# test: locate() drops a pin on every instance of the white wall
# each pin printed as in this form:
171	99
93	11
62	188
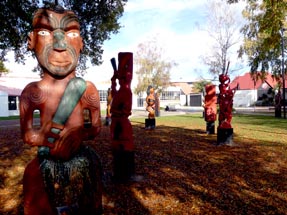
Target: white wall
244	98
14	113
4	104
183	100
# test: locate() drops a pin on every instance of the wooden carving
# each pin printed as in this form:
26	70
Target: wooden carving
69	114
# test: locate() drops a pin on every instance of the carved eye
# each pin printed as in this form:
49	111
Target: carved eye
44	33
73	34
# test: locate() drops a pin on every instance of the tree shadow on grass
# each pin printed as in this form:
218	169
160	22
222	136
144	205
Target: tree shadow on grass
14	156
183	171
186	173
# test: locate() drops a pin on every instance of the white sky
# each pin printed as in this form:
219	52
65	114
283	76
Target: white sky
175	25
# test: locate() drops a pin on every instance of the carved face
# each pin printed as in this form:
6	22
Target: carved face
56	41
224	79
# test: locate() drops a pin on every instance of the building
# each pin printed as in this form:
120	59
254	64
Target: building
11	88
250	93
10	91
177	94
189	97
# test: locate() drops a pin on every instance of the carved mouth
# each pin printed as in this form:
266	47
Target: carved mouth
60	63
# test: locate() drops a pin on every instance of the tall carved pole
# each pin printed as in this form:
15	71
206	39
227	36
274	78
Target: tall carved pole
225	130
108	111
121	128
210	108
150	107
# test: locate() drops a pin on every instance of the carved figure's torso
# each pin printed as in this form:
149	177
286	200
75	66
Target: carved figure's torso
45	97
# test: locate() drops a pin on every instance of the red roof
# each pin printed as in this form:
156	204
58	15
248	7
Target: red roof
246	82
185	87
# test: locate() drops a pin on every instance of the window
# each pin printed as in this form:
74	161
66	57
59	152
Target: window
12	102
103	95
170	95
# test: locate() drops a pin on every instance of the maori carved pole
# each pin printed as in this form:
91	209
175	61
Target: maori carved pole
225	130
108	111
210	108
121	128
151	108
65	177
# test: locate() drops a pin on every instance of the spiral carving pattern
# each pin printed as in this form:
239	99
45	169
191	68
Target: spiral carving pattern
37	94
91	99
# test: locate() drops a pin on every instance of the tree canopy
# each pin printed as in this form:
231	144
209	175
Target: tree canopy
263	35
152	69
223	27
3	69
199	86
98	20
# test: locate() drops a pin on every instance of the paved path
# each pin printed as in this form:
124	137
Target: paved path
9	123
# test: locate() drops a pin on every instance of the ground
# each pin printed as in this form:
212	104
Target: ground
183	171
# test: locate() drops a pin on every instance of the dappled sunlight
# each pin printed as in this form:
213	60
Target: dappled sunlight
15	171
14	158
183	170
156	202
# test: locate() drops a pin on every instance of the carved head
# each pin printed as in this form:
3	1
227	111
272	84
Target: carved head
224	79
125	67
210	89
56	41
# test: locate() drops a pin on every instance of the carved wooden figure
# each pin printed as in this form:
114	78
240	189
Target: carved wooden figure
121	128
108	111
225	130
150	101
225	101
151	105
65	177
210	101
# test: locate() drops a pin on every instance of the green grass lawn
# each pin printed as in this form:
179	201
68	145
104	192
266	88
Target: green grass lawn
262	129
9	117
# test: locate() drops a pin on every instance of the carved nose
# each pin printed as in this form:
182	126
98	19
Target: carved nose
59	40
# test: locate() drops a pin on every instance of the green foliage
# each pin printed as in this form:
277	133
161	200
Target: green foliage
15	21
198	87
263	38
152	68
98	19
3	69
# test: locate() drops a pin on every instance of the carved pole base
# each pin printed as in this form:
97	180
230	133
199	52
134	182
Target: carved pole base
278	112
150	123
123	165
224	136
108	121
210	127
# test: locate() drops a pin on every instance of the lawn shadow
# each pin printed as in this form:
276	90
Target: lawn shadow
186	173
183	170
14	156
